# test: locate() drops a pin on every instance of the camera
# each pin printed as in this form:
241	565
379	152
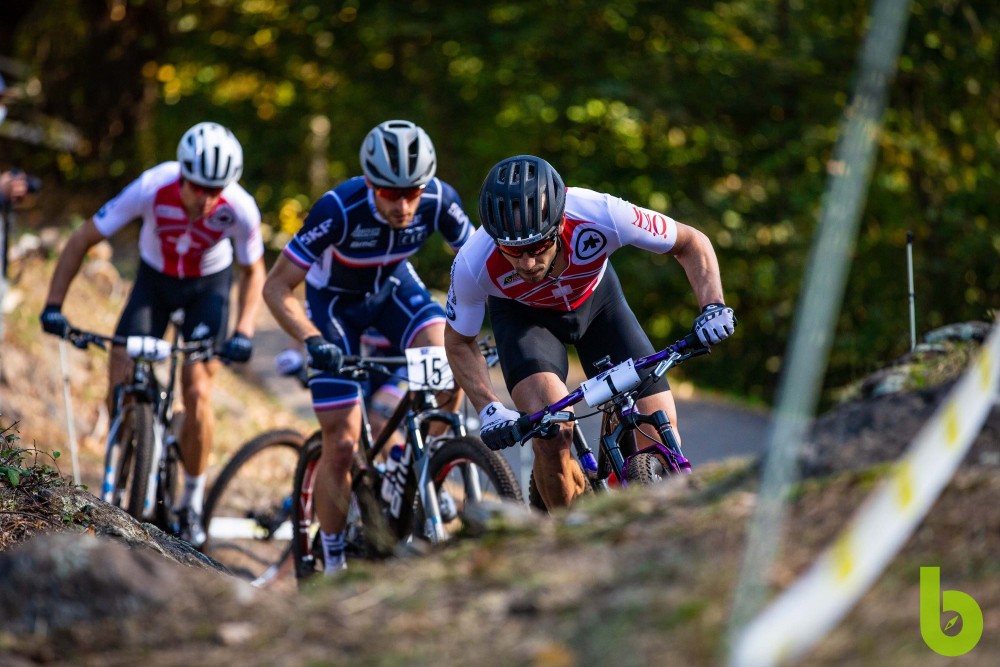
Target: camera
34	183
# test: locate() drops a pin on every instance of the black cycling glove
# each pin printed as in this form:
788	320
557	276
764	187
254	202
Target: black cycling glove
323	355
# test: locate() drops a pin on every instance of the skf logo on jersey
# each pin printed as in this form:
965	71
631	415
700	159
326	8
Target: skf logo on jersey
221	218
589	243
311	236
650	221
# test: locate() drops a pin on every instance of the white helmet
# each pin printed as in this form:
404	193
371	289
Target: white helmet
210	156
398	154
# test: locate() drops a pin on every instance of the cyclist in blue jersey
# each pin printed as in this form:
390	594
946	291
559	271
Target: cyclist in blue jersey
352	255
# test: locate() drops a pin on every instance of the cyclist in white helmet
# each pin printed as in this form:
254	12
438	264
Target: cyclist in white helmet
194	216
352	254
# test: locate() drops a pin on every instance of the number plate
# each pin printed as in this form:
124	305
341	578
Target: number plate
427	368
602	387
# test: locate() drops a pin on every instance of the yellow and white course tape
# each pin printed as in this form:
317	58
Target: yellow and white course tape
814	604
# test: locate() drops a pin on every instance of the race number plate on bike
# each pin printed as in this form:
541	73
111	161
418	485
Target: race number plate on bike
603	386
147	347
427	368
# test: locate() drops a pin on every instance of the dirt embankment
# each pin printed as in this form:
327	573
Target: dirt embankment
633	578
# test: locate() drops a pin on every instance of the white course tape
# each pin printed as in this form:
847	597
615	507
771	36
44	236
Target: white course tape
814	604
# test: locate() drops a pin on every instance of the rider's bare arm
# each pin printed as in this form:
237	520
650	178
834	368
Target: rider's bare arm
694	251
249	296
279	295
469	367
70	260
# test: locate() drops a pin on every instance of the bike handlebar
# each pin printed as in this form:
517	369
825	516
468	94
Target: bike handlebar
679	351
151	347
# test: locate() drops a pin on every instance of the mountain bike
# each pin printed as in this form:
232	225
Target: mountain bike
613	392
248	508
397	502
142	458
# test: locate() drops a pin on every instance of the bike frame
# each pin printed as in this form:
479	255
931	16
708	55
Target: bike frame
399	487
144	388
622	404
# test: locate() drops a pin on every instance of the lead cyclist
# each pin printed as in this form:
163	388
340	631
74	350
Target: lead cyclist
540	264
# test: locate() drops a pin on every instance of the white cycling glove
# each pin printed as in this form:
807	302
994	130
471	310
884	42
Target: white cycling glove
499	426
715	324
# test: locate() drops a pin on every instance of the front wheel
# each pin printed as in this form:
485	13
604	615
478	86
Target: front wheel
129	460
464	472
645	468
248	509
368	532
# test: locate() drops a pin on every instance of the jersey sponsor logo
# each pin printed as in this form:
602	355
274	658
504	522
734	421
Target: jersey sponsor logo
510	278
650	221
221	218
169	212
365	232
456	212
589	244
364	244
452	298
310	236
411	235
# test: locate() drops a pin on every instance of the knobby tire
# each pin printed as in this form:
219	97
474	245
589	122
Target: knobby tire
141	458
258	558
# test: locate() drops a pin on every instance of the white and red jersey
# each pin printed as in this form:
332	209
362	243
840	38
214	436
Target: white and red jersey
596	225
174	244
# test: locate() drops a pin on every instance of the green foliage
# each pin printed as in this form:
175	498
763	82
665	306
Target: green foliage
722	114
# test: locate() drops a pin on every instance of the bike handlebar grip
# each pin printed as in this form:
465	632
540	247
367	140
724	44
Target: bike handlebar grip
524	423
691	341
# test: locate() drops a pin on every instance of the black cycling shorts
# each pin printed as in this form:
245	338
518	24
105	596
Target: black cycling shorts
204	299
533	340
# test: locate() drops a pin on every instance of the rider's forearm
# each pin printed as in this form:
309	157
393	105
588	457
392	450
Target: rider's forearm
701	266
70	260
289	312
250	297
469	367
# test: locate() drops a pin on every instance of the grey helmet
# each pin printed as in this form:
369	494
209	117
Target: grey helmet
398	154
210	156
522	200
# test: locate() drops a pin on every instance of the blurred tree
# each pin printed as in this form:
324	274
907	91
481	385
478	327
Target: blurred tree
721	113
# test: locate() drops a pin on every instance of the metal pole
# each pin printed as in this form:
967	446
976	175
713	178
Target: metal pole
909	271
4	214
67	399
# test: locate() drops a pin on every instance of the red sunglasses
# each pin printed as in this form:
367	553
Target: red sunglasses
395	194
532	249
211	192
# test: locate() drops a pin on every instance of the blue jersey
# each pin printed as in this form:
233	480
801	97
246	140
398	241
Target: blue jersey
347	246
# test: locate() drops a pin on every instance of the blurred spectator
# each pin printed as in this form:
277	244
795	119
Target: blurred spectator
13	183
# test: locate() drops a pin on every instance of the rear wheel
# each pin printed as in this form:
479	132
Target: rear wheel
248	512
466	471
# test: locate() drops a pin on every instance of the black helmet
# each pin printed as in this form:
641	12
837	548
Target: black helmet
522	200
